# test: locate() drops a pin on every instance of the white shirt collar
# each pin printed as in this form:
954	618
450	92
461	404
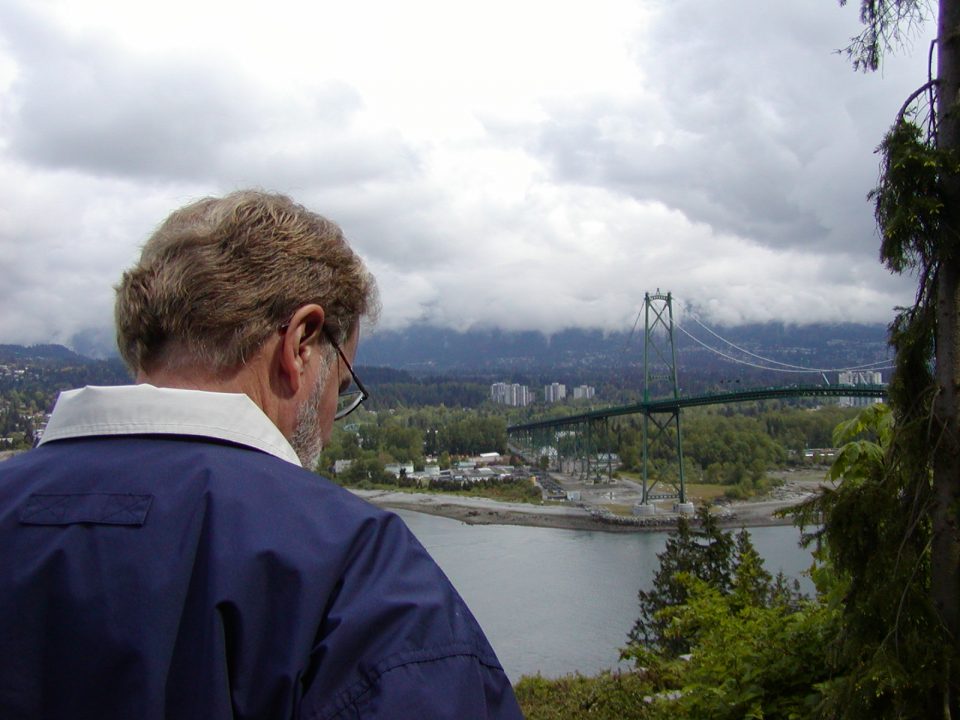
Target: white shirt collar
145	409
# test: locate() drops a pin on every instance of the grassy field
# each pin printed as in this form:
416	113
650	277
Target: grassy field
702	492
698	493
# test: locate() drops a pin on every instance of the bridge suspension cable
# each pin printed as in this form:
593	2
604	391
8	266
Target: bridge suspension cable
787	367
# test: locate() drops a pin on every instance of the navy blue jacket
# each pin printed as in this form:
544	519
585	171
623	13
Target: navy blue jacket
179	577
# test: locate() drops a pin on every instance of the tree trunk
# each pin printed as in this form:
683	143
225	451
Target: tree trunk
945	560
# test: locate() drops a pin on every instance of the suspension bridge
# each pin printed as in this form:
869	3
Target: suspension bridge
583	441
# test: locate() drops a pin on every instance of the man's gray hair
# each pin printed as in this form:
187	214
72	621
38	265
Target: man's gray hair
221	274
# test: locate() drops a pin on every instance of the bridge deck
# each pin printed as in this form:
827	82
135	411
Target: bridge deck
673	404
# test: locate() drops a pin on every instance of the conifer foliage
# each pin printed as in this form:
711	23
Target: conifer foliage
893	527
702	553
717	637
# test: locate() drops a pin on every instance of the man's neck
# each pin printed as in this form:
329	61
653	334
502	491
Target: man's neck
252	379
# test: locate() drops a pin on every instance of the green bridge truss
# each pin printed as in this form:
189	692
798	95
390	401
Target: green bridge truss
669	404
584	443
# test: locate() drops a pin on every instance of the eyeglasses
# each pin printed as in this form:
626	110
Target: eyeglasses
349	400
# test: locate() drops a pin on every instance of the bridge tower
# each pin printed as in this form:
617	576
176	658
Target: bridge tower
660	376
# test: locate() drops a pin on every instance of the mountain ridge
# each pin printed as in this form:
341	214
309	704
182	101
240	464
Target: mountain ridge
425	349
574	355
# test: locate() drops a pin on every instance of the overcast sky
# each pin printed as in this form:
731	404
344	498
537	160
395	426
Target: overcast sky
521	164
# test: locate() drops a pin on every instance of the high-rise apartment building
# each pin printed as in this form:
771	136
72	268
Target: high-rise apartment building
859	377
554	392
511	394
583	392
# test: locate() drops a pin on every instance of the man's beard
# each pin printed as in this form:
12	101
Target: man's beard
307	441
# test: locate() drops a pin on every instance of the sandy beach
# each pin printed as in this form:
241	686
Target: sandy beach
591	512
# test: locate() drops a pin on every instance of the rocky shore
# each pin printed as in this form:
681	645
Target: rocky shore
482	511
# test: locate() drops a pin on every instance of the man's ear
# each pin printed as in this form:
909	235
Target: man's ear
300	340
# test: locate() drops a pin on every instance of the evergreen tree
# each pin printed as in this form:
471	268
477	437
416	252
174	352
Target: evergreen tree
894	525
706	553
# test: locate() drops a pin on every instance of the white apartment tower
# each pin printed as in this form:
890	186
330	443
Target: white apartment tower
583	392
859	377
511	394
554	392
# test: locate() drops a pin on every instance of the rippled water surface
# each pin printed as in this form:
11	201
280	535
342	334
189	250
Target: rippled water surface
559	601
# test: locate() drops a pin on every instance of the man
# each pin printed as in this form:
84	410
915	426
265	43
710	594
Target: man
164	555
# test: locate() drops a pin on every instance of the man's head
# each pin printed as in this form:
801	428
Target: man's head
220	275
224	282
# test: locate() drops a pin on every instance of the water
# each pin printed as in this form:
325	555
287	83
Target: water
562	601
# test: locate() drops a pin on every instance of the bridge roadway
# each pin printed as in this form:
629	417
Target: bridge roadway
670	405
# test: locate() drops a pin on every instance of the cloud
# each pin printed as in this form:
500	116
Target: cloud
85	103
532	166
63	246
82	105
523	277
755	128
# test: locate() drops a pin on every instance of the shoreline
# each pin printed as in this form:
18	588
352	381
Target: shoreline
483	511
